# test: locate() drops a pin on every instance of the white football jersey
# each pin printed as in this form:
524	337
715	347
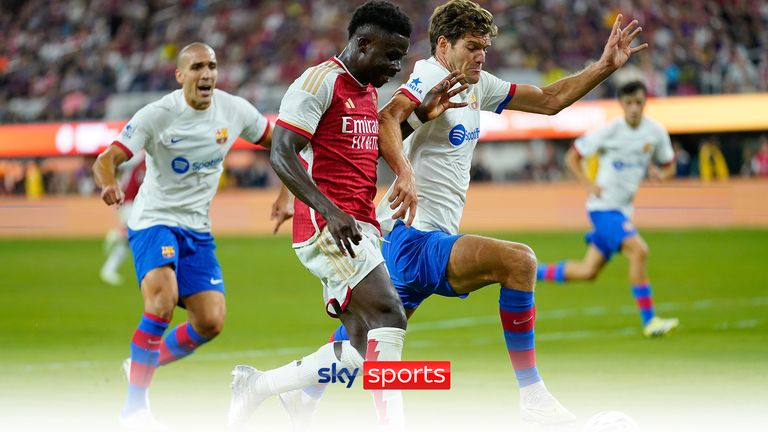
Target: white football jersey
441	150
624	153
185	151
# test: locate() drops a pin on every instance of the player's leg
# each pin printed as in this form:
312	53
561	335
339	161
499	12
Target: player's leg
301	404
380	337
374	320
586	268
344	280
205	319
476	262
251	386
158	289
155	252
636	251
201	289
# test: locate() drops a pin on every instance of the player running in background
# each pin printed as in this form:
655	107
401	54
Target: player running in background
626	148
431	257
116	241
329	116
186	136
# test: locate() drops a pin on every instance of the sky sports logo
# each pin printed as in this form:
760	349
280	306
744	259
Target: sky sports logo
392	375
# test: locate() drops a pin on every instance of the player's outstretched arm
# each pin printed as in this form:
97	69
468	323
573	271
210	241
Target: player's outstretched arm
394	126
283	156
403	196
573	162
104	170
553	98
282	208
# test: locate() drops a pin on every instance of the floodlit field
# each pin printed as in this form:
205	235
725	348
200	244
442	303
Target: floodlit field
63	335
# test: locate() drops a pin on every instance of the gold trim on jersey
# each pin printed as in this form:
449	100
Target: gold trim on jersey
296	125
317	76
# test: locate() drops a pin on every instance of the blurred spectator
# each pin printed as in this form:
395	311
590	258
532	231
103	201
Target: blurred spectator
741	75
33	185
746	162
682	161
712	164
541	162
760	159
61	59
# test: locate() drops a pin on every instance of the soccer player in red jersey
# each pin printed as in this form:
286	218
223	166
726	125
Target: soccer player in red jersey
329	116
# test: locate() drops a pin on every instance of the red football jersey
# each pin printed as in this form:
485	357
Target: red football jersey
339	116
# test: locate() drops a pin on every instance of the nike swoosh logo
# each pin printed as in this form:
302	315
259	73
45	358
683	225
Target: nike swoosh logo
516	322
175	140
216	281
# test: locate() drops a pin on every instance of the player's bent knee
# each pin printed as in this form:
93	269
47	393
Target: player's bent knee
388	314
520	267
209	323
639	253
160	305
211	329
591	274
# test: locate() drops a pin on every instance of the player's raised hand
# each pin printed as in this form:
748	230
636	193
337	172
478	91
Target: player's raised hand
403	196
343	228
112	194
437	100
618	48
282	208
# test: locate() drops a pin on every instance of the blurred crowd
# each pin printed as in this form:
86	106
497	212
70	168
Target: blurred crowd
62	59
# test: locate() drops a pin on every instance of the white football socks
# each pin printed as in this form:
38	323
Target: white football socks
303	373
386	344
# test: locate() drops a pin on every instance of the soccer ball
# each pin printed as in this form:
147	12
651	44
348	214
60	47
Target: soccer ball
611	421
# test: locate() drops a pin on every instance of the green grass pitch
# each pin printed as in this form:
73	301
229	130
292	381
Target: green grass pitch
63	334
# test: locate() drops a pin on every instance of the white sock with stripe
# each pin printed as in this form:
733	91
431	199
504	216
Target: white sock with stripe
386	344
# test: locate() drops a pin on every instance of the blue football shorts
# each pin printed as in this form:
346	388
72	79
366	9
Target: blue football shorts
610	228
191	253
417	262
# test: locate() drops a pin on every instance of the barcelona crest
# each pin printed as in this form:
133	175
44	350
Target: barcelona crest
221	136
647	147
168	251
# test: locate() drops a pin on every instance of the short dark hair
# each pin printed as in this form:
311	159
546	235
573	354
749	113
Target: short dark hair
382	14
631	87
458	18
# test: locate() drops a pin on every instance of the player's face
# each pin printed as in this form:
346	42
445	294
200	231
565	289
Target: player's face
633	105
468	55
197	76
383	56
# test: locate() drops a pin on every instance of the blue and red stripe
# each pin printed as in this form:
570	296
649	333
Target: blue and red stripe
145	351
644	300
517	311
182	341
